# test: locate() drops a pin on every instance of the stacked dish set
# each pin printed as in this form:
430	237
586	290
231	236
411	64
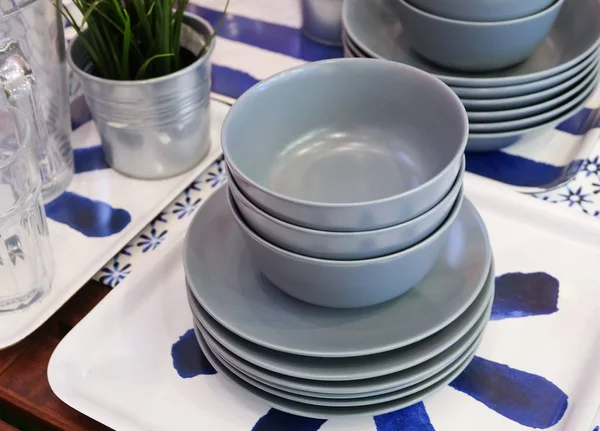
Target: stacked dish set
341	271
519	67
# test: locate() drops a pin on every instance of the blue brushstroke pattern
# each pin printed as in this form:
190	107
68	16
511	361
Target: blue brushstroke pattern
231	82
91	218
511	169
276	420
580	123
528	399
188	359
522	295
413	418
272	37
89	159
597	428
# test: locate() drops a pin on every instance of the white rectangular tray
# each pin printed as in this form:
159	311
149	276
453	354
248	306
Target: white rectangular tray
79	256
117	365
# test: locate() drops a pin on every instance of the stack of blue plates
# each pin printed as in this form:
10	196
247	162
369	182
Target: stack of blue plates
325	362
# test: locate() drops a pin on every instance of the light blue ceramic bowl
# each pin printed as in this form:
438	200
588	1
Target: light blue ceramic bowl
345	245
346	144
346	283
475	46
482	10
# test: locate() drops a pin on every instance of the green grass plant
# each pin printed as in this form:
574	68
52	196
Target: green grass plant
133	39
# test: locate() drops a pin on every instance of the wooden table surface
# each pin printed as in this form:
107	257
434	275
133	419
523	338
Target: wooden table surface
26	400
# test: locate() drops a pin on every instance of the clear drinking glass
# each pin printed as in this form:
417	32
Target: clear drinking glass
36	28
26	260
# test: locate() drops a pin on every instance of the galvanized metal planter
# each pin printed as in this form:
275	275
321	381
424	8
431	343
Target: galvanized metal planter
155	128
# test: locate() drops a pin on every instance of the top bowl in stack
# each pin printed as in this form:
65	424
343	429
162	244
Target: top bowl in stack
504	106
332	187
481	44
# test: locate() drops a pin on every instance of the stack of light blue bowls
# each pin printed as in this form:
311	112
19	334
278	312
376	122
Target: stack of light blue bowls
519	67
344	172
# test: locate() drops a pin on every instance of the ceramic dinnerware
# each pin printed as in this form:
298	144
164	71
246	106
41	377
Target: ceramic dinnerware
529	88
475	46
375	28
537	109
480	142
344	245
245	303
503	103
414	362
303	409
316	158
574	104
346	283
348	402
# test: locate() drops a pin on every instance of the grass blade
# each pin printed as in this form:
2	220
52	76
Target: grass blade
142	70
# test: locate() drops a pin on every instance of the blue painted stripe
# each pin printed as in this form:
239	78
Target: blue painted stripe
413	418
511	169
272	37
231	82
276	420
522	397
89	159
580	123
525	294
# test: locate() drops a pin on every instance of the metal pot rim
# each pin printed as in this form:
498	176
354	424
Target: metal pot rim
183	71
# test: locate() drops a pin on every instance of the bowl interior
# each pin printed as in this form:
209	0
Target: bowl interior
345	131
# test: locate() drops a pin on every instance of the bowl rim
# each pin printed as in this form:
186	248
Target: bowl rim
435	82
443	228
549	10
235	190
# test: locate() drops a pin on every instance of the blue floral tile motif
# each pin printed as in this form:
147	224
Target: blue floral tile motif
151	240
195	186
217	175
596	188
596	428
187	207
113	274
591	167
162	217
575	197
125	251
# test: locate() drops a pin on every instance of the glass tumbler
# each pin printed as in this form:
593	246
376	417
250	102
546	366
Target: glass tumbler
26	260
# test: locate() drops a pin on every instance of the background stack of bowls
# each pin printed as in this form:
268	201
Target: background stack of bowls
359	186
519	67
341	271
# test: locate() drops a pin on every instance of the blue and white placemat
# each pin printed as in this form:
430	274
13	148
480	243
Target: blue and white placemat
133	362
